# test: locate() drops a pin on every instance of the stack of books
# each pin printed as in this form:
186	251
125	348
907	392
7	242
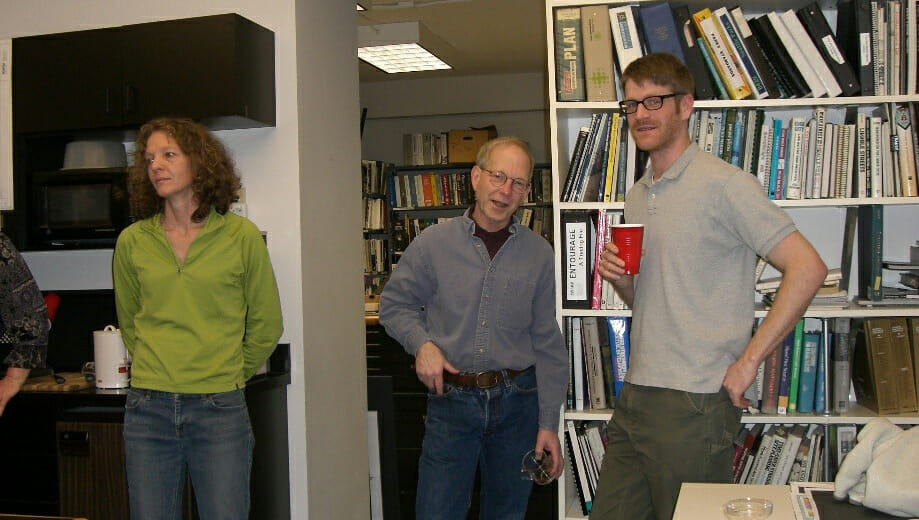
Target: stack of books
830	295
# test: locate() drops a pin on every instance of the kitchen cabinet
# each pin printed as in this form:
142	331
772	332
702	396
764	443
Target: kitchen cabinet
216	69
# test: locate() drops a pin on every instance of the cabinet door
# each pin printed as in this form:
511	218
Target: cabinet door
67	81
198	67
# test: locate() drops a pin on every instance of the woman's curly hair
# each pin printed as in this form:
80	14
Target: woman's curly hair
214	179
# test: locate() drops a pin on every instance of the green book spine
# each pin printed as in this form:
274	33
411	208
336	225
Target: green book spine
797	349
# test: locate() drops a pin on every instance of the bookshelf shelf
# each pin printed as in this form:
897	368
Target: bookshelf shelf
819	219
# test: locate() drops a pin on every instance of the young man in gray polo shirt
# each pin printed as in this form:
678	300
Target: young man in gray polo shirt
473	300
692	354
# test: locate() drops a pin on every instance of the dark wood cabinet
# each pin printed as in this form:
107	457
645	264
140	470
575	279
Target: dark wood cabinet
217	69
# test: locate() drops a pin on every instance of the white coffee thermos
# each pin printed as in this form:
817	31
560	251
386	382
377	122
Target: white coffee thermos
112	362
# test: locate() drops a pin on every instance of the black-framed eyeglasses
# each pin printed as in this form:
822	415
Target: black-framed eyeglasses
630	106
498	179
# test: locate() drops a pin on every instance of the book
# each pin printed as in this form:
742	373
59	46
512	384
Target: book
853	32
873	371
788	40
594	362
598	53
578	152
619	344
578	465
785	374
704	89
913	329
757	56
736	46
817	27
779	438
757	473
625	36
578	370
718	47
576	273
820	385
811	53
778	56
606	363
771	368
743	447
904	378
659	27
807	388
786	457
906	156
870	247
794	376
569	55
842	364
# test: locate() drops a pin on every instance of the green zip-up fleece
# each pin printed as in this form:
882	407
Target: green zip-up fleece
202	326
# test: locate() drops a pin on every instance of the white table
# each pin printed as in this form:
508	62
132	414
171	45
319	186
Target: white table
704	501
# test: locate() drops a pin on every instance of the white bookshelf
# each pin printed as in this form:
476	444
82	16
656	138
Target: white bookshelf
821	220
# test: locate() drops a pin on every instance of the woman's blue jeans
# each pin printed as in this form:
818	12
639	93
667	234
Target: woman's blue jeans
489	428
209	435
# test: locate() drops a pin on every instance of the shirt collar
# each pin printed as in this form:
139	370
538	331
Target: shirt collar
470	223
676	169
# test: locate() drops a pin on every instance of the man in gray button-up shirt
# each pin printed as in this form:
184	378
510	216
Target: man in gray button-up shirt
476	295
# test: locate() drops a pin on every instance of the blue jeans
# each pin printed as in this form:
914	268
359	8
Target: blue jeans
492	428
207	434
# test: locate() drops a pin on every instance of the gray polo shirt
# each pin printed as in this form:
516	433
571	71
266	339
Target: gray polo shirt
705	222
484	313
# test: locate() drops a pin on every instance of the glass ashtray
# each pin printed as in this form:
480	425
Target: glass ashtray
747	508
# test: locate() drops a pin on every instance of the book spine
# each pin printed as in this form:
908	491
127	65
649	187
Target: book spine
569	55
692	50
797	351
736	45
598	53
715	40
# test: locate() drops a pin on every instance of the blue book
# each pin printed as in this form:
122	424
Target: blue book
820	384
619	345
737	145
774	171
712	72
808	384
660	29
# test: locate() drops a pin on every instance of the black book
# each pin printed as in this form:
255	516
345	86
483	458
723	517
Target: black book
853	24
694	61
766	71
870	248
777	55
570	178
819	30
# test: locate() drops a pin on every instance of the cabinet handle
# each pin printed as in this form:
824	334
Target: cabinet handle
108	100
130	98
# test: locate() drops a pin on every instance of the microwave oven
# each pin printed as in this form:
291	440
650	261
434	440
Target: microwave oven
70	209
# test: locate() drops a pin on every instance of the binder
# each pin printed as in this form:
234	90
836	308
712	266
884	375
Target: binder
691	51
777	55
815	24
762	65
576	264
853	32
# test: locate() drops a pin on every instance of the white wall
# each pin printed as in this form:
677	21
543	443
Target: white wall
514	103
269	163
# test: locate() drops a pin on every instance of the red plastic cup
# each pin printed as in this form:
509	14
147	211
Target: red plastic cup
627	238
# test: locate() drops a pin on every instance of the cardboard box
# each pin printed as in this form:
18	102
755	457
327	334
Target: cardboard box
464	144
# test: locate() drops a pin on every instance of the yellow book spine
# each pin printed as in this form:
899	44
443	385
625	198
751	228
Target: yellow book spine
609	187
726	63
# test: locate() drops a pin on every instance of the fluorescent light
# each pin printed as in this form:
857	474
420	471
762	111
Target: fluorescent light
403	57
401	47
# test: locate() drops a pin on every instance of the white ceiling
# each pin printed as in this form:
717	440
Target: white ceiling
485	36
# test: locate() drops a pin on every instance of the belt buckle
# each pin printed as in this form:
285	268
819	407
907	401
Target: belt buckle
486	379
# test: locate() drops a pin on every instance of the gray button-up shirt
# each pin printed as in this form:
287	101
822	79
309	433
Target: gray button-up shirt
483	313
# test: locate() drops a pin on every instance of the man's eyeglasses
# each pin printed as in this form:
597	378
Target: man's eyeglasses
630	106
498	179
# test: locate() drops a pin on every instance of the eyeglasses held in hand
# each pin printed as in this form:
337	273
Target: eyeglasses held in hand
535	469
630	106
498	179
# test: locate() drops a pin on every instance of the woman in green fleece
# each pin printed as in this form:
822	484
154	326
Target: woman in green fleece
199	312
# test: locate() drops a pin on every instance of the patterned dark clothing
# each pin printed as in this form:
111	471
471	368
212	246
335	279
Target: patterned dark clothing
24	321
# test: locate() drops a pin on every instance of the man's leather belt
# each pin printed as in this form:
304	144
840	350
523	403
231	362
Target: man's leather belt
488	379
